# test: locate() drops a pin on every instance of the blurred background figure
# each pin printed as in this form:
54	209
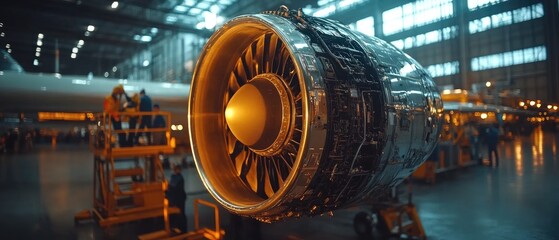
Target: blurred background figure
177	197
132	106
492	139
145	106
158	122
473	138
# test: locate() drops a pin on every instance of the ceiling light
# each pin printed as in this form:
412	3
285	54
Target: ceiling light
39	43
73	55
180	8
35	62
91	28
2	34
86	33
194	11
200	25
38	49
40	36
37	54
189	2
145	63
154	30
145	38
8	45
220	20
80	42
322	2
215	9
106	74
209	20
114	69
75	50
171	19
203	5
10	50
114	5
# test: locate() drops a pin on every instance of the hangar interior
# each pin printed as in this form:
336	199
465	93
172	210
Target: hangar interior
492	62
462	43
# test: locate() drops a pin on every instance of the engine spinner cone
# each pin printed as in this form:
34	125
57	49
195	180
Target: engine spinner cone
259	114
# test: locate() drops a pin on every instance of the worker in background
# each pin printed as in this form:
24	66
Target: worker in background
132	106
492	139
111	106
159	137
3	142
145	106
177	198
472	134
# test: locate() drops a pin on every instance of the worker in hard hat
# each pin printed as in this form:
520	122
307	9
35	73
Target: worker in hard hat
112	107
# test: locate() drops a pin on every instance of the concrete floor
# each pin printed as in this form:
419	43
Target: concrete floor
41	190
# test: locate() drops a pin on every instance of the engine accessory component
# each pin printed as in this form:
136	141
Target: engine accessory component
293	115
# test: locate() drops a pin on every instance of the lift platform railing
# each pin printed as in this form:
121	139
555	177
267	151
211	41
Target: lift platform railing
107	137
127	141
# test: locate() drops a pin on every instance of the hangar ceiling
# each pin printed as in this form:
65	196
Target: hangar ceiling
110	31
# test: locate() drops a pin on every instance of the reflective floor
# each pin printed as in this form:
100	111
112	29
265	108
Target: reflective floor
41	190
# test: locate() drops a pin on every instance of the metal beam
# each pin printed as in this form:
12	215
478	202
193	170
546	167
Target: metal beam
93	12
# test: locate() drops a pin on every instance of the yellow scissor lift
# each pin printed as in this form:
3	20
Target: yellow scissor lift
129	182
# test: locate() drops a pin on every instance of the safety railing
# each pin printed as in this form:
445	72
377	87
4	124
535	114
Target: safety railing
215	233
126	132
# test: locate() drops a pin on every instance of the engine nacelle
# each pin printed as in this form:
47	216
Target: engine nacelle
293	115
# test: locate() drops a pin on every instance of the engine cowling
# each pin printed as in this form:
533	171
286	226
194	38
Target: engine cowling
293	115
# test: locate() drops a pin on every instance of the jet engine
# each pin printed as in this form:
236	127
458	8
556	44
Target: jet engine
293	115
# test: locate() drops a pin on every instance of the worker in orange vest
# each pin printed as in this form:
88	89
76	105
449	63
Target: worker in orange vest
112	107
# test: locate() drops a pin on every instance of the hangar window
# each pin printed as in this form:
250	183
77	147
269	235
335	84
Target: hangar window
427	38
443	69
365	26
521	56
506	18
477	4
415	14
329	7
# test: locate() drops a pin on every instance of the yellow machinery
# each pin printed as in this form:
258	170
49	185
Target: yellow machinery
129	182
391	218
402	219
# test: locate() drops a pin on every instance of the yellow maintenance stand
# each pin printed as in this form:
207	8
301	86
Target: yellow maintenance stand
391	218
129	182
